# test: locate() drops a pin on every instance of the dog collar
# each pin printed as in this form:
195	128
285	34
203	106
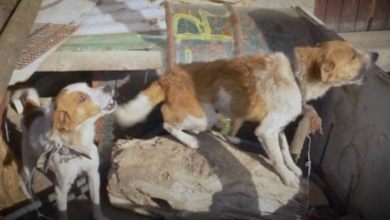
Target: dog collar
65	154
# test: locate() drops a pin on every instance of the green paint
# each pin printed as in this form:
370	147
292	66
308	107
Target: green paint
114	42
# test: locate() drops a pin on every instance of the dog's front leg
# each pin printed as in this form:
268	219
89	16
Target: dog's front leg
62	190
287	156
94	190
188	140
269	140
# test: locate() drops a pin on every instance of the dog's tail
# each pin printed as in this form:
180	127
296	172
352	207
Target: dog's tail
29	99
139	108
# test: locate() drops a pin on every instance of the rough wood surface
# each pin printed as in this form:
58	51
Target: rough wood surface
9	187
14	36
161	177
101	60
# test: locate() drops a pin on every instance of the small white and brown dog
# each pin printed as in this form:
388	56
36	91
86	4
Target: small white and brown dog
260	87
62	137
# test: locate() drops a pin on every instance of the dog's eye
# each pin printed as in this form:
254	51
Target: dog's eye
82	98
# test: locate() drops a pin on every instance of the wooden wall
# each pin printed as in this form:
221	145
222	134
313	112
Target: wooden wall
354	15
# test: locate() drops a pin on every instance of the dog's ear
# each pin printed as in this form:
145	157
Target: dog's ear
62	121
327	70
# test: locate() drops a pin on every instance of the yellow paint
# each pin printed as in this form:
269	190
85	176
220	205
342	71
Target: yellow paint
202	25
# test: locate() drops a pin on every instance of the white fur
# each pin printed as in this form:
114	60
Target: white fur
190	123
40	136
211	115
134	111
26	94
284	104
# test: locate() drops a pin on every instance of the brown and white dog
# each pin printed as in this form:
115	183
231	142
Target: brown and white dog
260	87
68	122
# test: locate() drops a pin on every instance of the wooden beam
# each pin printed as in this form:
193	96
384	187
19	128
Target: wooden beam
14	36
102	60
12	39
6	8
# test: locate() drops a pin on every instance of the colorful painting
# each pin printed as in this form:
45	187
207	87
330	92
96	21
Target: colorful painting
207	32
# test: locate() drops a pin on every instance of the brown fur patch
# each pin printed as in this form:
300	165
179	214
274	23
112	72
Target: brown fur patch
180	98
71	111
333	61
188	84
29	106
155	93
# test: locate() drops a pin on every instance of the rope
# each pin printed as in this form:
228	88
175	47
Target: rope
308	165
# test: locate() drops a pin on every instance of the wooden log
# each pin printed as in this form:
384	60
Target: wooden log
161	177
9	187
12	39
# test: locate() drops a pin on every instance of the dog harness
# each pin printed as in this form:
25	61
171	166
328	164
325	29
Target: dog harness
64	152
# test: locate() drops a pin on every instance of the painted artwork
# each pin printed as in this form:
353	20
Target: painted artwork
206	33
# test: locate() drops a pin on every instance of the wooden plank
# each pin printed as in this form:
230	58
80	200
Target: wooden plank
320	9
348	15
102	60
69	13
119	42
13	38
333	14
380	15
365	13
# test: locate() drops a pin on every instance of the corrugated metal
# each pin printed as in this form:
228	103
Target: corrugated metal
132	16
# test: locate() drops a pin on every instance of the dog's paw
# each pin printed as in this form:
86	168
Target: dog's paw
290	179
195	131
296	170
193	143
